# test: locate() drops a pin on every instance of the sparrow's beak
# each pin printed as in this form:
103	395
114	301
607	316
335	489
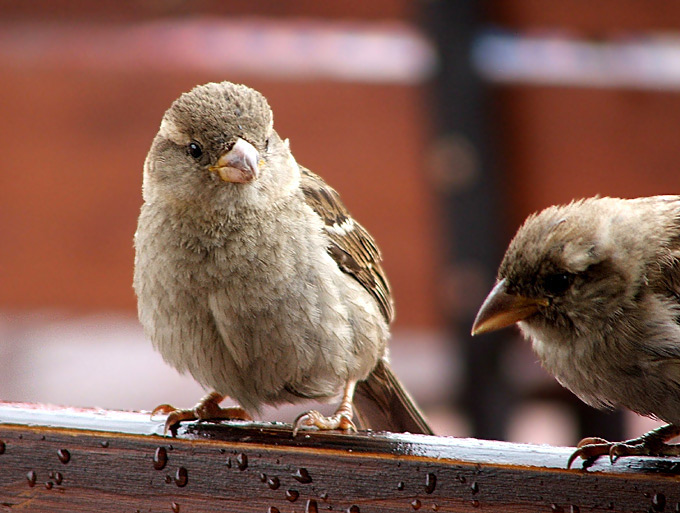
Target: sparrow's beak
239	164
501	309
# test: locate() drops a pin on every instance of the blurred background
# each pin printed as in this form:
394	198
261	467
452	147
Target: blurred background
442	124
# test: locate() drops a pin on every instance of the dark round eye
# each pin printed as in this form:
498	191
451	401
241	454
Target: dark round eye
558	283
194	149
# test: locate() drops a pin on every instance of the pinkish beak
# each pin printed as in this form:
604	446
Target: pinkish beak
239	164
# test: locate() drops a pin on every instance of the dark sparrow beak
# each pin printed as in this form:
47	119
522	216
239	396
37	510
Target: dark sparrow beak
501	309
239	164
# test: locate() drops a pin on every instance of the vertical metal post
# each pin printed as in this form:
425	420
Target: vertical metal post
468	186
471	198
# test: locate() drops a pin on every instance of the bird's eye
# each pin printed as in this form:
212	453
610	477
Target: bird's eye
558	283
266	145
194	150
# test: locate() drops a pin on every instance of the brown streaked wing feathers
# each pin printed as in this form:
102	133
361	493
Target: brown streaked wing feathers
355	251
381	402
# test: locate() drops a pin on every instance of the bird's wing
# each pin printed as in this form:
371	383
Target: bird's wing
351	246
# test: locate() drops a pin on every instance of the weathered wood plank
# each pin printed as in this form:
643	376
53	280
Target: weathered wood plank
65	460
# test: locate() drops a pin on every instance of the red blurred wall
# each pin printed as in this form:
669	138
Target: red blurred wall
74	138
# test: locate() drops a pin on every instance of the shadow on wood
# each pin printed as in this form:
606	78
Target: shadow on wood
68	460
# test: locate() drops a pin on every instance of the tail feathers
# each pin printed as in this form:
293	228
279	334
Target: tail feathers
381	403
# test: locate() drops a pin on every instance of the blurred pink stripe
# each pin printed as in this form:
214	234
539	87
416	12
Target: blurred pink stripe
366	52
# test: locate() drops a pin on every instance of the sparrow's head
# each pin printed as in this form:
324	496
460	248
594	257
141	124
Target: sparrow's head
570	268
215	138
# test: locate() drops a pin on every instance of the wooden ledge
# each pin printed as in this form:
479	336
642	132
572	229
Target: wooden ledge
70	460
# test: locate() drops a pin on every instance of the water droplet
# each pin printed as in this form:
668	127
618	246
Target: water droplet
181	477
353	509
168	479
31	477
292	495
104	444
556	508
430	482
228	463
302	476
49	485
242	461
574	509
273	509
415	504
400	485
324	496
64	456
273	483
659	502
311	506
474	487
160	458
263	477
2	447
175	507
475	503
462	479
435	507
58	477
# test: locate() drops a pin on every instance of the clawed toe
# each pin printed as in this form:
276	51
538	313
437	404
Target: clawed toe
174	416
589	451
313	418
592	441
649	444
207	408
592	451
163	409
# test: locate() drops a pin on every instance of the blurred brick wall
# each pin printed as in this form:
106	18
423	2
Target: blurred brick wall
596	19
558	143
564	143
74	139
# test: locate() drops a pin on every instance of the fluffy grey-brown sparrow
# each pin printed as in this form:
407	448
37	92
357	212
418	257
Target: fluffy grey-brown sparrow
252	276
595	286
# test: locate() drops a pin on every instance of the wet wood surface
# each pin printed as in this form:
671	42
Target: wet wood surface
71	460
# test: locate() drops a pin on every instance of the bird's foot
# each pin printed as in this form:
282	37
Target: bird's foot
652	443
339	420
207	408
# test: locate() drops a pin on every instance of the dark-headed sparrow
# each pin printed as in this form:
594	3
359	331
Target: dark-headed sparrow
595	286
252	276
